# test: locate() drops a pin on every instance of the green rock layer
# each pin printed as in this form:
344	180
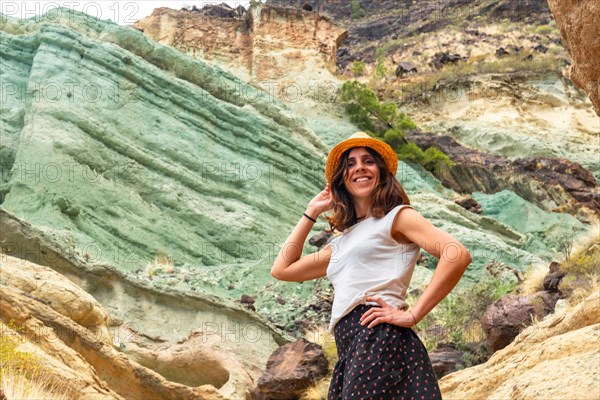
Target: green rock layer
132	149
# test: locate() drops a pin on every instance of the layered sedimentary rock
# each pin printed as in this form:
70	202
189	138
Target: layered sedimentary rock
277	48
74	357
130	149
579	27
189	339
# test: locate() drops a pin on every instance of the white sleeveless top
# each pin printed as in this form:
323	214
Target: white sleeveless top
367	261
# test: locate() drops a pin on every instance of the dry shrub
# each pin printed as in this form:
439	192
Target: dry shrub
533	280
22	375
583	266
321	336
325	339
318	391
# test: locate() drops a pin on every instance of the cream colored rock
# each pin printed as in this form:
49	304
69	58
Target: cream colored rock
579	26
73	356
289	53
557	358
61	363
58	292
199	359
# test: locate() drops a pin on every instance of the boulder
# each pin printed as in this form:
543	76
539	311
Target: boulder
468	203
504	319
442	58
248	302
291	369
320	239
501	52
446	359
553	278
405	67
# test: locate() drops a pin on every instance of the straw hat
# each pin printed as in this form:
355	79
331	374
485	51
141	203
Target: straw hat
360	139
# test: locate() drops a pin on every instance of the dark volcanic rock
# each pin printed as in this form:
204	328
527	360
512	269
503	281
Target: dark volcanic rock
554	277
442	58
320	239
218	10
291	369
405	67
501	52
504	319
446	359
554	184
468	203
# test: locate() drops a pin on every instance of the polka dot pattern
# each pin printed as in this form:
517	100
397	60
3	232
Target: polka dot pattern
386	362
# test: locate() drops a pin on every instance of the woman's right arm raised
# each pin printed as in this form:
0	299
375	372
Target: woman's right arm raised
289	266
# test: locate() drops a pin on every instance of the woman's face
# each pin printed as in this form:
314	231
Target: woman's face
363	173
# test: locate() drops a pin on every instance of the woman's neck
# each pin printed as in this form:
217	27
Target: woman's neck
362	210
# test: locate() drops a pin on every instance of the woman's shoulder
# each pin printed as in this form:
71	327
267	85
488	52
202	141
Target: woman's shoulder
395	226
395	211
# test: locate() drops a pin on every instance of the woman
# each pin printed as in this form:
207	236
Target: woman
370	266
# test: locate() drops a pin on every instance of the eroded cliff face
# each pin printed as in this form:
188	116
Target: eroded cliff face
580	28
281	49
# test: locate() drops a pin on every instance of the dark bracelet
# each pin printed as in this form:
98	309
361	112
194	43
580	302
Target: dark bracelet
309	217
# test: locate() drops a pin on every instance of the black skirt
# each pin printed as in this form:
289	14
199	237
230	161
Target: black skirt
384	362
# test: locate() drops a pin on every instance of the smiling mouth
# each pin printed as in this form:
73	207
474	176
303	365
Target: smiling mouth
362	179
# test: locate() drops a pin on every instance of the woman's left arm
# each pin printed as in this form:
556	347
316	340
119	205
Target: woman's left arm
454	258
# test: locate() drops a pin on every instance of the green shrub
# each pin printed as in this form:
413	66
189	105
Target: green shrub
384	121
358	68
357	11
543	30
380	69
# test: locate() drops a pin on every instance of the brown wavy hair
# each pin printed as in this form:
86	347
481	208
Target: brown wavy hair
387	194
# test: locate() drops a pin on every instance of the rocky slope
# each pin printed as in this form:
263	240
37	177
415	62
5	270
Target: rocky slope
128	150
279	49
553	184
557	357
201	182
373	23
162	184
289	53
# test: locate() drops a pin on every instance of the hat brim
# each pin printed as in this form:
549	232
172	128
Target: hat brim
383	149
